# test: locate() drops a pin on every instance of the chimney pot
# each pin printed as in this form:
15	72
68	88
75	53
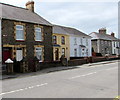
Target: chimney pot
30	5
113	34
102	31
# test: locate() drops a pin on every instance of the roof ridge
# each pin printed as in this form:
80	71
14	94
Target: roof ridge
64	26
13	6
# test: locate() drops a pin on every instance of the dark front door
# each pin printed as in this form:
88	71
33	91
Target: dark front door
56	54
6	54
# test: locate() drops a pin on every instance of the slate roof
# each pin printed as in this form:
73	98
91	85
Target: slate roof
73	31
96	35
68	31
59	30
21	14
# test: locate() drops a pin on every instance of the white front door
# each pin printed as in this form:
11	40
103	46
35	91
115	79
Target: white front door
19	54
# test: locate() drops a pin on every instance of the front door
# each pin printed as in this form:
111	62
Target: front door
6	54
56	54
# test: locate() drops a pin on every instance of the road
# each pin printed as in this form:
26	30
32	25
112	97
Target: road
97	81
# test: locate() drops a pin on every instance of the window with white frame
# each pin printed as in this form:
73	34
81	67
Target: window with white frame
75	41
83	52
19	32
62	40
81	41
114	44
63	52
38	34
87	52
19	54
54	39
86	42
39	53
114	51
75	52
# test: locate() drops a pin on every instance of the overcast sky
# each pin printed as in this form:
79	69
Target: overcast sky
86	15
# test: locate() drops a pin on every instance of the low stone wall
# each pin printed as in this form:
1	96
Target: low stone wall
20	67
114	58
99	59
77	62
44	65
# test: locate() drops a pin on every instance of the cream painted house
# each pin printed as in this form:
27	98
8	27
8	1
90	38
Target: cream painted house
61	45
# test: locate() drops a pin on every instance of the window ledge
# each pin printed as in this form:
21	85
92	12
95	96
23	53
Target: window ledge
38	40
20	40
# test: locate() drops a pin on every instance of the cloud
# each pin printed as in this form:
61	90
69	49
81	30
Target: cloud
85	15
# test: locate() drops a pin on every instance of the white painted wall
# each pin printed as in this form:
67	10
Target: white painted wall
114	47
77	46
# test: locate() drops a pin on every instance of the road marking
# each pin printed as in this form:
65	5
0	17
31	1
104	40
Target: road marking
24	89
92	73
82	75
112	68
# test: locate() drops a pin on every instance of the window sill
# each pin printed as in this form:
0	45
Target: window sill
20	40
38	41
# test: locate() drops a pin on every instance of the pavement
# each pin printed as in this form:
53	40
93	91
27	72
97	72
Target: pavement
53	69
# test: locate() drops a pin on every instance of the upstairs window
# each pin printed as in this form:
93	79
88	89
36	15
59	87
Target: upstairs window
86	42
81	41
19	32
38	34
54	39
62	40
75	41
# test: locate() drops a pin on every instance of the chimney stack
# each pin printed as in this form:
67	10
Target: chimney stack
30	5
102	31
113	34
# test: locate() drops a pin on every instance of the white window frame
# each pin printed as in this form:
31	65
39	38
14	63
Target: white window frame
38	30
19	56
87	52
20	29
81	41
63	51
75	52
75	41
40	50
86	42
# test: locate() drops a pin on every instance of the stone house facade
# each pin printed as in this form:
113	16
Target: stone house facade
25	34
103	43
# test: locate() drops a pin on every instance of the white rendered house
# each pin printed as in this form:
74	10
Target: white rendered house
80	43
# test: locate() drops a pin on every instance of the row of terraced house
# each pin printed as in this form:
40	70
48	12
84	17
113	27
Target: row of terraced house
26	34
